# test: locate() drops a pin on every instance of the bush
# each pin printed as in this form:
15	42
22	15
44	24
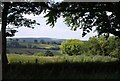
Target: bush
42	53
72	47
48	53
102	46
115	53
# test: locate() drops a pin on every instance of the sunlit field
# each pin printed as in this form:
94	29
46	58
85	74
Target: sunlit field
70	59
16	58
62	67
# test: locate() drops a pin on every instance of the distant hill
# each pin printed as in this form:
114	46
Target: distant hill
38	39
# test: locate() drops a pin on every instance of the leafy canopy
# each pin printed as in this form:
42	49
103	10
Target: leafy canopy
77	15
71	47
15	15
85	16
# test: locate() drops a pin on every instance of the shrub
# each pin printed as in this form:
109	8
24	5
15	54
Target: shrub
115	53
48	53
42	53
72	47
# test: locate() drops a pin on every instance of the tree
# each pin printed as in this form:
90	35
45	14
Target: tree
48	53
76	15
3	32
11	39
71	47
114	46
23	40
42	41
88	15
17	40
93	46
104	45
35	41
12	15
14	44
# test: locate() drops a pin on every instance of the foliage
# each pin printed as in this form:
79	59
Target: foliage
42	53
34	45
76	15
15	15
48	53
93	46
87	15
103	46
114	46
71	47
15	44
35	41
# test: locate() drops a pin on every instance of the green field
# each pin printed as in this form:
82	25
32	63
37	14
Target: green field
15	58
28	51
32	48
38	45
62	67
33	61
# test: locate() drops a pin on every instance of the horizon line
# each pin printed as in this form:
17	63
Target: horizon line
47	37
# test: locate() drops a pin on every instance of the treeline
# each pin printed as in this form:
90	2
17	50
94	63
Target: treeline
17	44
34	41
47	42
94	46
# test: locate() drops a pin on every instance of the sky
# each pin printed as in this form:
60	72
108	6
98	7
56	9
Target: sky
59	31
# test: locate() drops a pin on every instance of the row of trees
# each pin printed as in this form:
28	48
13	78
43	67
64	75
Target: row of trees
94	46
15	44
36	41
47	42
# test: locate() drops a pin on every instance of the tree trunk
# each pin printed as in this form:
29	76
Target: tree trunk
3	31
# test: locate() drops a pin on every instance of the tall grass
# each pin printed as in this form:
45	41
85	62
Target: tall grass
62	67
15	58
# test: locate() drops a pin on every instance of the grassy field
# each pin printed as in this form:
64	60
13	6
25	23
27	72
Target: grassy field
31	48
38	45
29	51
15	58
62	67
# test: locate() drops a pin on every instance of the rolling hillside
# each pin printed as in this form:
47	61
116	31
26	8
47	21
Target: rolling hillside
38	39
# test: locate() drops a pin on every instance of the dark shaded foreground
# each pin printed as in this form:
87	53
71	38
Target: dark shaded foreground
64	71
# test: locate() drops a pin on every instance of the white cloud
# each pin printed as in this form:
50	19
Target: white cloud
60	30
